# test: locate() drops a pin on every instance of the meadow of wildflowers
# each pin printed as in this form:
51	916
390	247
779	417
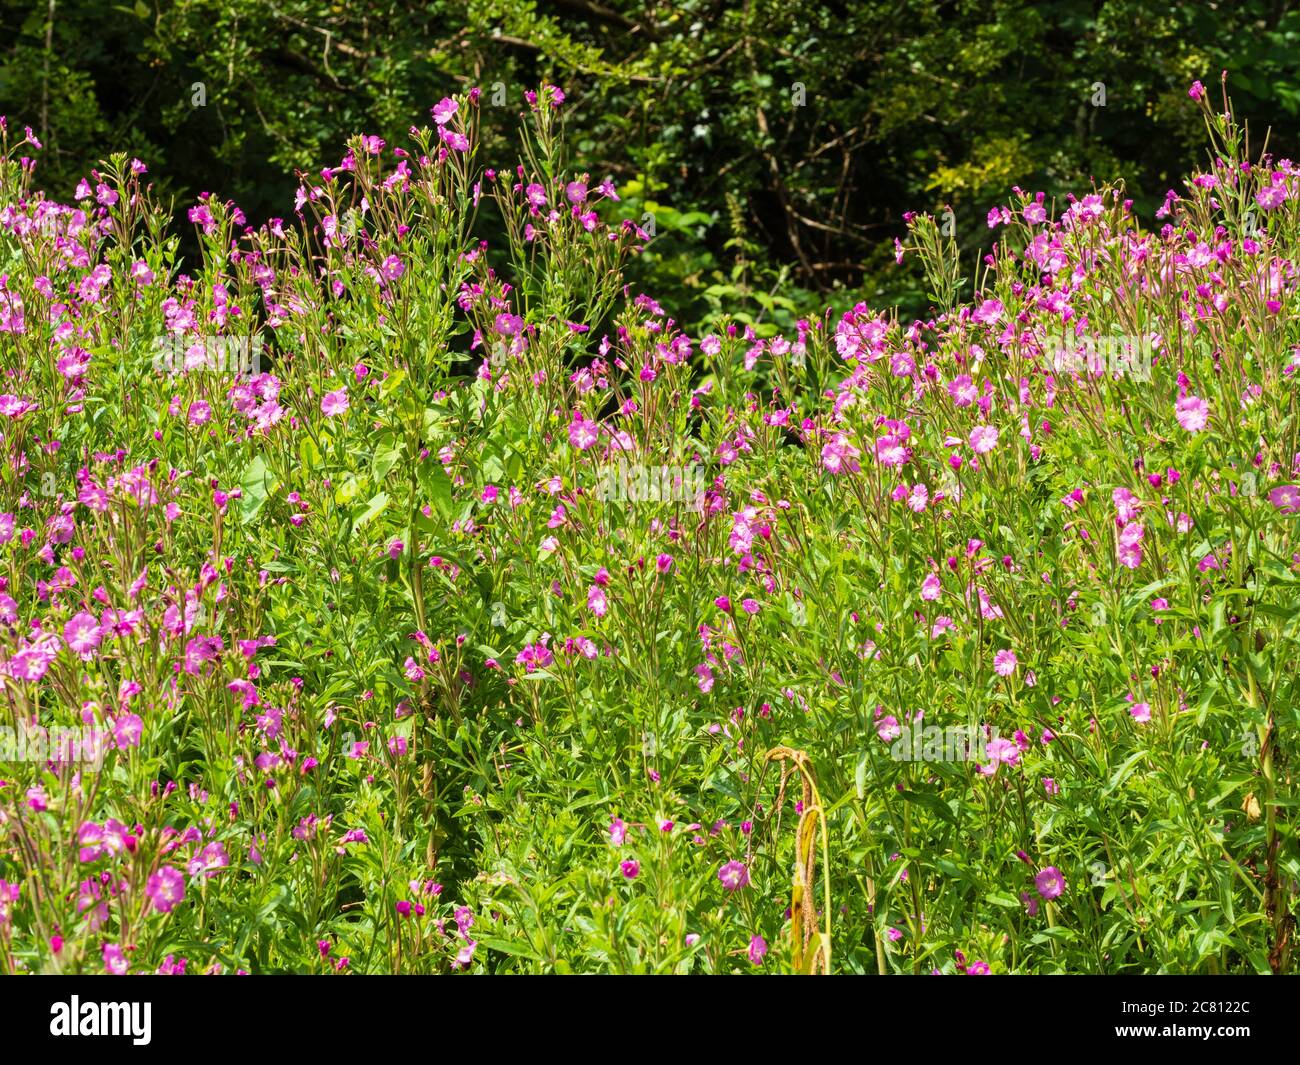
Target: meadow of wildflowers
373	599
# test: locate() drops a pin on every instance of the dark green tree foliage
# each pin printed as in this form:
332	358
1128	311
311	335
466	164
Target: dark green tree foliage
775	147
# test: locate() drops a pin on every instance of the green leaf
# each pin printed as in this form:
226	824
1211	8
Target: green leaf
254	486
377	503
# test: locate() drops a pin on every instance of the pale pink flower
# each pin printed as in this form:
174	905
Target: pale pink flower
734	875
1004	663
333	403
1192	413
983	439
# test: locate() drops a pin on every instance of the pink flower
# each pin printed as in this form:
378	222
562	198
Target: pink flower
333	403
1050	882
1192	413
209	860
443	110
617	832
962	390
1286	498
127	730
839	456
757	950
114	962
165	888
1002	752
983	439
734	875
1141	712
455	141
631	868
1130	544
83	635
582	432
1271	197
1004	663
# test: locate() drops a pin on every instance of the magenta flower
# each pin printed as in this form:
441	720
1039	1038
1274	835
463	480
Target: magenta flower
1004	663
840	456
1192	413
1130	544
1001	752
333	403
1141	712
1271	197
443	110
631	868
983	439
82	634
734	875
1050	882
757	950
114	961
1286	498
127	730
166	888
582	432
617	832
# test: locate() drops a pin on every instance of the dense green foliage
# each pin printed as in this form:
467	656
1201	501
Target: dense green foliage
690	106
496	622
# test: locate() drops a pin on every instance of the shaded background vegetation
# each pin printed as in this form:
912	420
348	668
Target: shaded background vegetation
692	107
